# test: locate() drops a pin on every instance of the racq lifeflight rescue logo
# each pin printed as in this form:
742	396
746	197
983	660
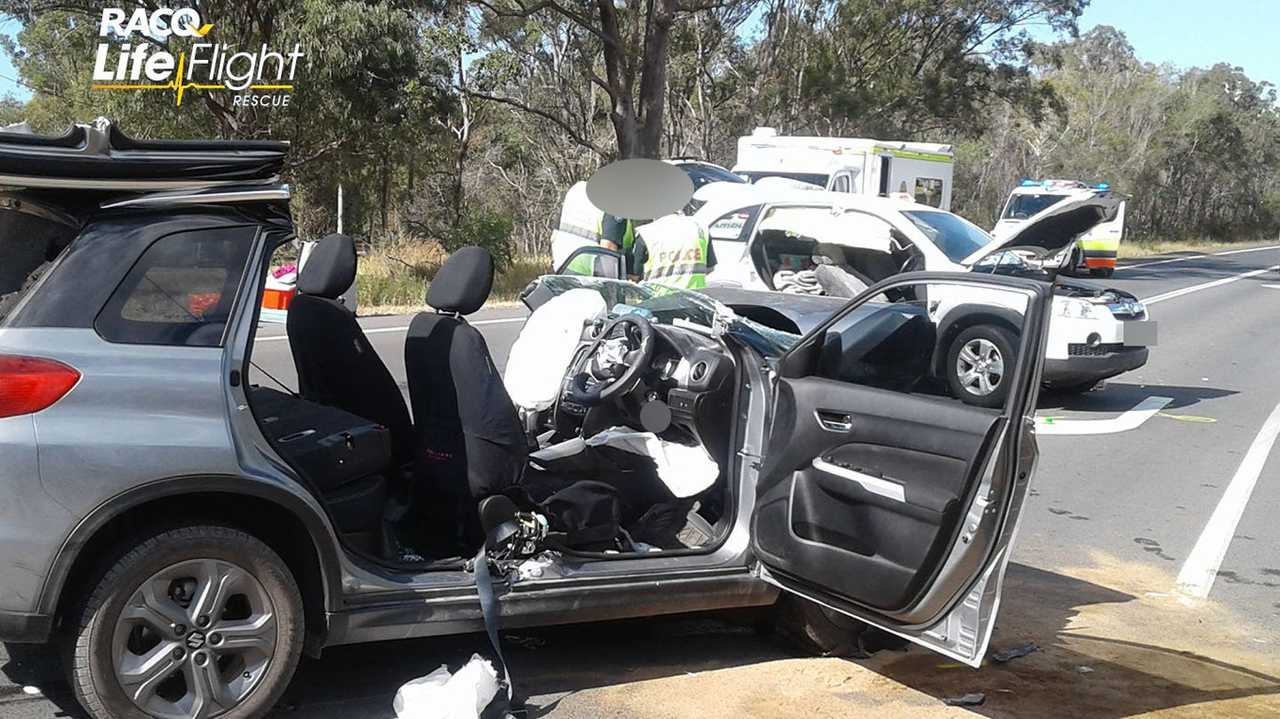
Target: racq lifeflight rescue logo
132	56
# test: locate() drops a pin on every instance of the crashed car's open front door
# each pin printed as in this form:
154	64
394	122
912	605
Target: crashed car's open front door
879	496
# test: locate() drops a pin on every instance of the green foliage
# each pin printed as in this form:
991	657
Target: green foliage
489	230
1198	151
456	123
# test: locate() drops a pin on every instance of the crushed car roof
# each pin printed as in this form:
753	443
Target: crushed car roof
100	157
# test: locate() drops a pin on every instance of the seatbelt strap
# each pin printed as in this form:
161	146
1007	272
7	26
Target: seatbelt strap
489	610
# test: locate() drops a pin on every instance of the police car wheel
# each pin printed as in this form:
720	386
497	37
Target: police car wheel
977	365
1103	272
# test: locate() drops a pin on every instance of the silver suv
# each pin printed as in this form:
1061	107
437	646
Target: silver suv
187	534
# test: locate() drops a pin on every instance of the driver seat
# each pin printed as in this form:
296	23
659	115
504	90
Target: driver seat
470	444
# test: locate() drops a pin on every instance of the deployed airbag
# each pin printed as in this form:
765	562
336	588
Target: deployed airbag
685	470
542	353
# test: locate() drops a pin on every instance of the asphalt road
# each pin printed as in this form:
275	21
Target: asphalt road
1109	577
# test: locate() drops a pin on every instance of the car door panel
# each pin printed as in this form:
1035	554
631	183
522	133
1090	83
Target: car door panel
881	498
839	486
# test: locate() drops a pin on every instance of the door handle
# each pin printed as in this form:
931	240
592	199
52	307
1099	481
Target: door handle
834	421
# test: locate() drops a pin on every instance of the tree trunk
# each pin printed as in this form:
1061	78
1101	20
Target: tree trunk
653	79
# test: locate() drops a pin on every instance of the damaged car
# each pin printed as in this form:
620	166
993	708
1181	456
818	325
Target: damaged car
186	528
821	243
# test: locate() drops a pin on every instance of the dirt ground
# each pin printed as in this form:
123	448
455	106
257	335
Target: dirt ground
1109	646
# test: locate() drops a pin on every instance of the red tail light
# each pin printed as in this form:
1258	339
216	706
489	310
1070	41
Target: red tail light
30	384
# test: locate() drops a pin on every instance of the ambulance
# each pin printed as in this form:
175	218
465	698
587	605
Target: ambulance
1095	251
917	171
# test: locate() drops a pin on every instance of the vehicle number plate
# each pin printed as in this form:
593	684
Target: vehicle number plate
1140	334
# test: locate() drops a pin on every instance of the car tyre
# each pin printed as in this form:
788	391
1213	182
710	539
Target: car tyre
1103	272
978	362
242	654
814	630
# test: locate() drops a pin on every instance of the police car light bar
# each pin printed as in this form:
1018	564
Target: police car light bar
1049	184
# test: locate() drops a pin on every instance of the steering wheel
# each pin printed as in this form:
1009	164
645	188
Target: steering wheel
914	261
613	364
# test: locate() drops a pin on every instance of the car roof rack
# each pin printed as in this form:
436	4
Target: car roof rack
100	157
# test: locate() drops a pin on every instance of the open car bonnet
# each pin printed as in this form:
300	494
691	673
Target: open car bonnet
1054	228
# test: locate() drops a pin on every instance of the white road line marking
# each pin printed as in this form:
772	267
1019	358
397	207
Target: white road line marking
1208	285
1272	287
405	328
1159	262
1132	419
1201	567
1198	257
1247	249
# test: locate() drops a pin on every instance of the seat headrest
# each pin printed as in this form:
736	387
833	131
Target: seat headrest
330	268
463	284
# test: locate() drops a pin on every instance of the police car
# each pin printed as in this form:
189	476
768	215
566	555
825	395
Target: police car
816	242
1095	251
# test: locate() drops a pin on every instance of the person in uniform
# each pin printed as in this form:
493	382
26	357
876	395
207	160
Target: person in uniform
674	251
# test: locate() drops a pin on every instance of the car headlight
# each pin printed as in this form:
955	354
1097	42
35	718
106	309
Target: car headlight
1076	309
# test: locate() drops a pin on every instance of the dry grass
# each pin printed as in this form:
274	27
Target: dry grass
1148	248
393	279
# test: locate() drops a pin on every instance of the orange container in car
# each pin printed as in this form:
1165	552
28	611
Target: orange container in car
273	299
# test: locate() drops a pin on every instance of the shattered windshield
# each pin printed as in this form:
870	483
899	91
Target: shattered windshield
669	306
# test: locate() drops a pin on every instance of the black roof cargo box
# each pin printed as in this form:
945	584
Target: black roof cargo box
101	157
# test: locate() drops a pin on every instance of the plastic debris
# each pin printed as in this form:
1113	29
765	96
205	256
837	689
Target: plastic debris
1084	670
1014	653
529	643
440	695
968	700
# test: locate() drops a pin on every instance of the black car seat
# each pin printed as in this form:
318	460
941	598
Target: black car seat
335	362
470	443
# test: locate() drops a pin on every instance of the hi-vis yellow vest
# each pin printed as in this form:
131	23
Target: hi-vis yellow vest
580	225
677	252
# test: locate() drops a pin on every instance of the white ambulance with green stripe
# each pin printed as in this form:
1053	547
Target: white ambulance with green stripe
918	171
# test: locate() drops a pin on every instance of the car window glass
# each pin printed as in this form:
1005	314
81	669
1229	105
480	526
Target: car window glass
806	177
734	226
928	191
180	292
30	240
1021	207
841	184
704	174
957	238
925	333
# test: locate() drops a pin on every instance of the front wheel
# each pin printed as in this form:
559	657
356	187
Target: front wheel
811	629
978	362
190	623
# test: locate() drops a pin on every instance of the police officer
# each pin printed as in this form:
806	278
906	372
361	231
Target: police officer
580	226
674	251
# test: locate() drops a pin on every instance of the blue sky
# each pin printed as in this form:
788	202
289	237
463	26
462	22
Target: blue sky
1186	33
1197	33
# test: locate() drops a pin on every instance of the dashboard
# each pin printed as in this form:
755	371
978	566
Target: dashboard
686	391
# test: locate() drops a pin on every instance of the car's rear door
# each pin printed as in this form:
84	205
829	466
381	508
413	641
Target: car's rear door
878	495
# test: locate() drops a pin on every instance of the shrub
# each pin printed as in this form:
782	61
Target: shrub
486	229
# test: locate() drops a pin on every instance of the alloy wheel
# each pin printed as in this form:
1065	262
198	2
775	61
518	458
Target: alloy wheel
194	640
980	367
